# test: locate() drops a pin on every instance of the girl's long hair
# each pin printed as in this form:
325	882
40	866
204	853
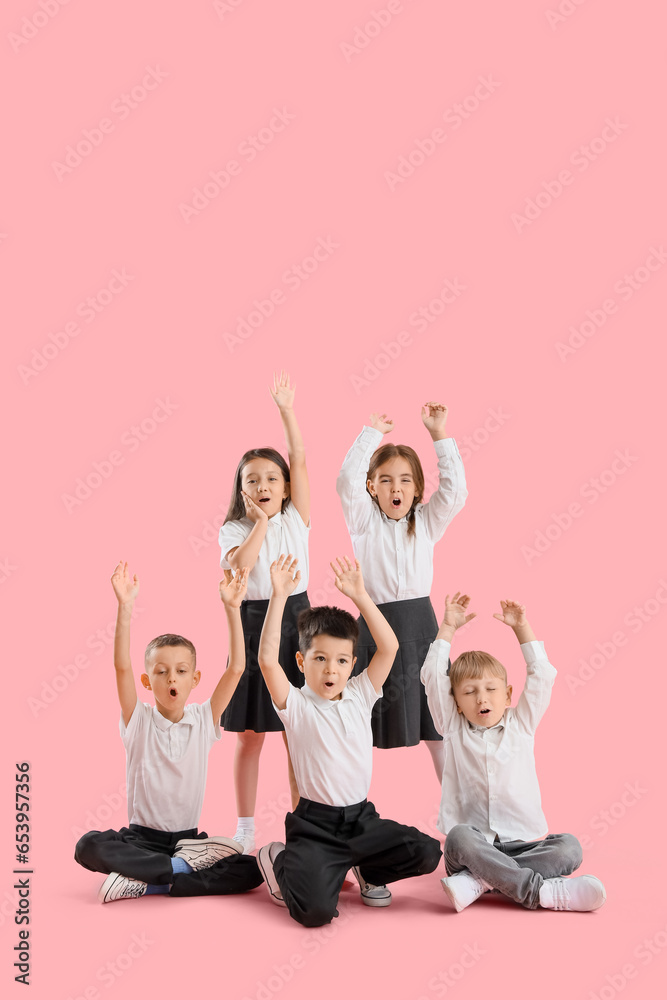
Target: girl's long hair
385	454
236	506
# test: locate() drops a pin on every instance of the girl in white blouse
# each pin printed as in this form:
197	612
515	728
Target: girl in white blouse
393	534
269	514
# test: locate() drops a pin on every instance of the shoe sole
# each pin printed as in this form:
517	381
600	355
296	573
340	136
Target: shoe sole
369	901
269	876
200	854
450	897
108	884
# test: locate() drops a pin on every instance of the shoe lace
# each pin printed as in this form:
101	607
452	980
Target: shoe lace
561	896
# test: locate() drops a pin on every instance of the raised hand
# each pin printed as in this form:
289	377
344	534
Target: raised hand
434	416
253	510
282	391
349	579
381	422
233	587
126	586
283	578
456	611
513	614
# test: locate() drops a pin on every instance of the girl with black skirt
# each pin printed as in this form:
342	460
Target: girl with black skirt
393	535
269	514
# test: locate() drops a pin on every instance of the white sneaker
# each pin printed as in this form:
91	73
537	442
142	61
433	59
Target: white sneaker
205	852
246	840
583	893
117	886
463	889
372	895
266	857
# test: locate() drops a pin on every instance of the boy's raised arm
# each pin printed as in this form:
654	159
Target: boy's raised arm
435	670
232	592
126	588
283	582
350	582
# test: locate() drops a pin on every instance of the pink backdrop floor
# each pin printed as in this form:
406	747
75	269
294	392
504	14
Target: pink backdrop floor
396	202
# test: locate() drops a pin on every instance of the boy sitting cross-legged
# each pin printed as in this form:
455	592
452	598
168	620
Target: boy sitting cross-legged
491	810
328	724
167	748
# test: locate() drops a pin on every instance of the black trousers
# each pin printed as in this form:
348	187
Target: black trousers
145	854
324	842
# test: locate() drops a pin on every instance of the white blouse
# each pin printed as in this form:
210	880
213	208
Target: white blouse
398	566
285	533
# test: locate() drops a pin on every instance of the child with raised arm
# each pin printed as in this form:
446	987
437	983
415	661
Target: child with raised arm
269	513
393	534
167	747
491	810
333	827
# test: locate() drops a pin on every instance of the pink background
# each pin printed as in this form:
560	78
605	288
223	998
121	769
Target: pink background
218	76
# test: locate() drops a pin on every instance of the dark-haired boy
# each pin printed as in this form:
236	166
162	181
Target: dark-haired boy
167	748
328	724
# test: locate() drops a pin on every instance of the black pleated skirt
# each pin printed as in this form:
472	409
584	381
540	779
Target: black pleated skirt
250	707
401	717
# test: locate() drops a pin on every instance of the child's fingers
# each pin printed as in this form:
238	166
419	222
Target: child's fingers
298	576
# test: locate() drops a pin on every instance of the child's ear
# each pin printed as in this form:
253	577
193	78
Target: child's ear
509	694
370	487
146	681
299	661
286	491
196	677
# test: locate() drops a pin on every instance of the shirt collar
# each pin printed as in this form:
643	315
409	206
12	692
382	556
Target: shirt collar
487	729
164	724
325	703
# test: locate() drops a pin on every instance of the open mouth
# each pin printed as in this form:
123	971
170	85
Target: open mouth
264	499
329	684
484	711
173	693
396	502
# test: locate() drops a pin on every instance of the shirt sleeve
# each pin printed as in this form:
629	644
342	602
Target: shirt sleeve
536	694
296	523
230	537
351	483
293	710
362	687
129	732
451	493
211	727
435	678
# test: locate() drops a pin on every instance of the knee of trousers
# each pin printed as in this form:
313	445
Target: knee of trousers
458	840
428	853
314	917
572	852
85	851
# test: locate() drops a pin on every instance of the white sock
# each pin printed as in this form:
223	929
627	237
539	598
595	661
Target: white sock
246	826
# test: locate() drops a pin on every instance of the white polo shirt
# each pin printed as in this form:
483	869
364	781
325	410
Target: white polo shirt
285	533
398	566
489	777
331	742
166	765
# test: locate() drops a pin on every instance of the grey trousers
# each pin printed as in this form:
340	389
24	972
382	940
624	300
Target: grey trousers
516	868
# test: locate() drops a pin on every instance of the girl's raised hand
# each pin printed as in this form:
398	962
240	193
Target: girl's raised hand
434	416
513	614
455	610
381	422
283	391
348	577
125	586
283	578
233	587
253	510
